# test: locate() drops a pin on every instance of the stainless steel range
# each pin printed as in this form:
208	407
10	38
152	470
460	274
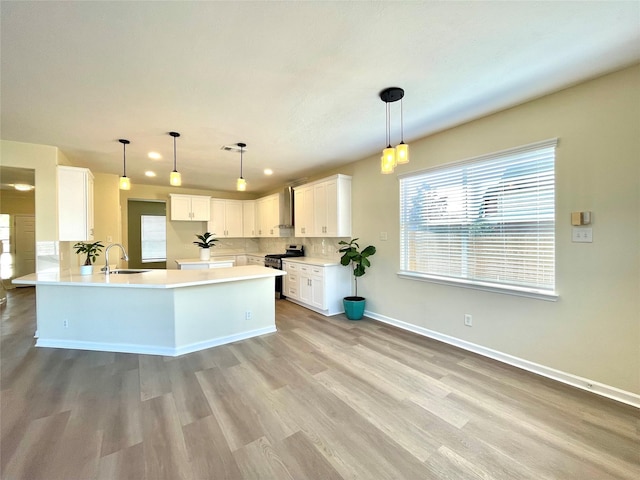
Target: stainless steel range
275	261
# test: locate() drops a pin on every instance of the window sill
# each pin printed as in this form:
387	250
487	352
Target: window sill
485	286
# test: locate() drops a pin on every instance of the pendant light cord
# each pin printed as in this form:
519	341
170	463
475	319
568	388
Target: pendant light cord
241	154
401	123
388	125
124	159
174	154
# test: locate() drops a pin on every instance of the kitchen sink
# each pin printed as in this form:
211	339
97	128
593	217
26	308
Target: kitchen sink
127	271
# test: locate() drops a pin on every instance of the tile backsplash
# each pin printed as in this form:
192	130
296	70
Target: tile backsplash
313	247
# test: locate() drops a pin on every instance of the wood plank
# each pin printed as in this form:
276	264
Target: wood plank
321	398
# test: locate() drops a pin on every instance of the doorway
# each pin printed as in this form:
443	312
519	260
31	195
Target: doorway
147	238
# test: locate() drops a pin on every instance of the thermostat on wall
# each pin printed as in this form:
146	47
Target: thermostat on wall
580	218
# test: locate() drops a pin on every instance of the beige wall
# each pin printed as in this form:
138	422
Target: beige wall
43	159
593	330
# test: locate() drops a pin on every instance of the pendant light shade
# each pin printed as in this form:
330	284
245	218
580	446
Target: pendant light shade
175	179
241	183
391	157
402	150
125	182
386	167
402	153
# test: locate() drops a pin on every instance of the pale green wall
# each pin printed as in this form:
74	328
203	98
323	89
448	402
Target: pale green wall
180	235
593	330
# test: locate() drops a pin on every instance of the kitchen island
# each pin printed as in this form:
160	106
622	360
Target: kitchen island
158	312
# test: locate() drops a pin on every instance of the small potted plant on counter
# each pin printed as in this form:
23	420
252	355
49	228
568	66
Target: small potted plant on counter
359	261
92	251
205	242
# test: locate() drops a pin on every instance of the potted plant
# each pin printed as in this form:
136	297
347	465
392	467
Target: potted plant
92	251
205	242
359	261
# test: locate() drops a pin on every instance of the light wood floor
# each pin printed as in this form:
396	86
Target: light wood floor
324	398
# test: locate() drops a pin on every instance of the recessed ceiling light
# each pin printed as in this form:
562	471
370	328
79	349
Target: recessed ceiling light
268	171
149	173
23	187
154	156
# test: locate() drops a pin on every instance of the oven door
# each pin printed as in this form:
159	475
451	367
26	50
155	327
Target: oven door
278	282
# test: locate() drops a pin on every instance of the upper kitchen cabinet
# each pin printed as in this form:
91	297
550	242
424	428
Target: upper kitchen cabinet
325	208
226	218
303	206
274	216
75	204
249	228
195	208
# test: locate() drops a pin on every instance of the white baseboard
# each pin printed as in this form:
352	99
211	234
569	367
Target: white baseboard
583	383
150	349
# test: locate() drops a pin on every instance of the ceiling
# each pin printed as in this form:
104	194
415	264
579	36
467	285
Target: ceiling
297	81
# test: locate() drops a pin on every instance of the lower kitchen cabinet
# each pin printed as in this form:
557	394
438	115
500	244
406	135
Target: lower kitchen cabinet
317	285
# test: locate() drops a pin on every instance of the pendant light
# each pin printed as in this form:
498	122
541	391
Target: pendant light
125	182
175	179
402	150
241	183
393	156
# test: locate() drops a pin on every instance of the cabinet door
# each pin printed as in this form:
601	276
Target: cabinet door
304	291
249	219
320	209
216	224
331	209
74	203
304	212
233	218
181	207
317	288
200	209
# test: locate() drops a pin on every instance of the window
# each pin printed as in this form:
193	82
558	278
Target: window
153	233
488	222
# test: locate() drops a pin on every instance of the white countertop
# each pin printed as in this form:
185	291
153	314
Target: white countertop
320	262
152	278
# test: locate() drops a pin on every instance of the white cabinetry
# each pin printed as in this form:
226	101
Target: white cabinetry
269	216
318	287
303	205
75	204
226	218
255	260
195	208
249	228
325	208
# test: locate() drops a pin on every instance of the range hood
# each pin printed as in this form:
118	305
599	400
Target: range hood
286	208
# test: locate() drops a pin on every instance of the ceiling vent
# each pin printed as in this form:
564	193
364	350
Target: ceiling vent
232	148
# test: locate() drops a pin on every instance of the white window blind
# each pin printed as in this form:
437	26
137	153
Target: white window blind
153	238
487	221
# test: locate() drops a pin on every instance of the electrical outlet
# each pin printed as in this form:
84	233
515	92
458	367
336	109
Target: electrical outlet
468	320
65	323
247	315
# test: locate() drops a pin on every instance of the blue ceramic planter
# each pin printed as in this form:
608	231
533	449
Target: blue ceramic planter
354	307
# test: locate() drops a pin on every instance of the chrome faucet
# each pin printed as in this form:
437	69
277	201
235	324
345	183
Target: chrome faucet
125	257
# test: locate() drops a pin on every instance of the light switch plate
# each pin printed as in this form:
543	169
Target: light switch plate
383	236
582	235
